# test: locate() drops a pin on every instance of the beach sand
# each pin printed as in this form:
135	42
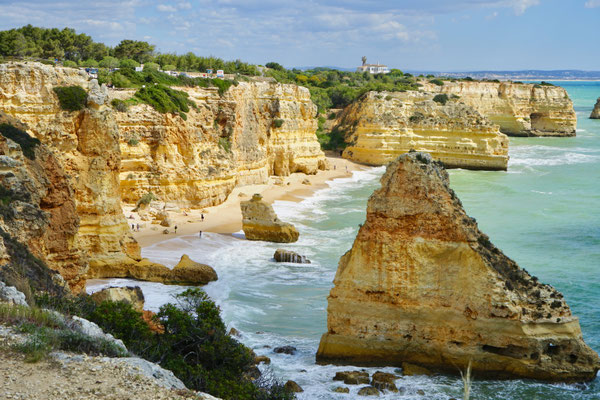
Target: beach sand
227	217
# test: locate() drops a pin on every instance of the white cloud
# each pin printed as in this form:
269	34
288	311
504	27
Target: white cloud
520	6
165	8
592	4
184	5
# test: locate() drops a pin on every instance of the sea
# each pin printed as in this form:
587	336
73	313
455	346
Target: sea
544	212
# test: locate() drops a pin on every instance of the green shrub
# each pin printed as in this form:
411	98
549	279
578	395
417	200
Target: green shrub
222	84
146	199
169	67
120	81
278	123
128	63
70	64
467	79
71	98
151	65
121	320
225	144
438	82
333	140
119	105
441	98
416	117
164	99
133	142
331	116
27	143
544	83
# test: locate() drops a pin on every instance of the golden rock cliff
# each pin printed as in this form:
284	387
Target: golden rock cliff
251	132
37	210
520	109
422	285
596	111
86	144
381	126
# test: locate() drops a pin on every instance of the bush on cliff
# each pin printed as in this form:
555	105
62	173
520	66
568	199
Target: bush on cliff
71	98
27	143
164	99
333	140
194	346
441	98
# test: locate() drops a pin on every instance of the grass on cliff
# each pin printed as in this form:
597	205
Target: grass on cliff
195	345
27	143
71	98
47	332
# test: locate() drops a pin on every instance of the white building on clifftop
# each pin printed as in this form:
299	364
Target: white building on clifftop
372	68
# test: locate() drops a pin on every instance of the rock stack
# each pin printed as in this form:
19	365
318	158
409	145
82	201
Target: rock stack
423	285
261	223
596	111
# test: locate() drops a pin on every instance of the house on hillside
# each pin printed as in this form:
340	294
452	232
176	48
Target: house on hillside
372	68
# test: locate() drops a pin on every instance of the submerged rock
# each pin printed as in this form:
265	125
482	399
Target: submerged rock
290	256
285	350
352	377
261	223
368	391
423	285
596	111
293	387
384	381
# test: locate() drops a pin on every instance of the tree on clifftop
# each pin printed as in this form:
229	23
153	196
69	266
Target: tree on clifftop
134	49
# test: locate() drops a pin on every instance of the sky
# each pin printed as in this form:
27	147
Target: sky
435	35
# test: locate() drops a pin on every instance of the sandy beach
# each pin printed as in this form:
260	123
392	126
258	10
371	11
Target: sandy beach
227	217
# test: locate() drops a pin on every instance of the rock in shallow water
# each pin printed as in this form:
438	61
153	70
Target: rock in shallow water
290	257
261	223
423	285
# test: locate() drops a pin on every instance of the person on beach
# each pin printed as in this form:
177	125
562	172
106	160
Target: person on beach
176	229
200	234
202	216
133	227
137	227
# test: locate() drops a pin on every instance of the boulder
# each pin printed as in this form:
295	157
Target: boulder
166	222
423	285
261	223
352	377
89	328
409	369
290	257
189	271
384	381
10	294
130	294
293	387
368	391
291	350
262	359
596	111
341	389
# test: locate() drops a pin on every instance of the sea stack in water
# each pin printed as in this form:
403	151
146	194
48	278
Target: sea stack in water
261	223
423	285
596	111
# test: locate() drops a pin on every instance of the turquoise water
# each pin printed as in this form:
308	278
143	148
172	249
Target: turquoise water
543	213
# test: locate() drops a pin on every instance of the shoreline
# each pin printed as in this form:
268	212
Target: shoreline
227	216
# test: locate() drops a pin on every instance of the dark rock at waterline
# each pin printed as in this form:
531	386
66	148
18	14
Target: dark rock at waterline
384	381
293	387
368	391
285	350
290	256
341	389
352	377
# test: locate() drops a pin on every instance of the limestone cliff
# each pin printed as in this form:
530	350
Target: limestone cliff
381	126
251	132
36	210
596	111
86	144
423	285
520	109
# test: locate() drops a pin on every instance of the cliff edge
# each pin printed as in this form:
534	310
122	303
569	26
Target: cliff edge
382	125
423	285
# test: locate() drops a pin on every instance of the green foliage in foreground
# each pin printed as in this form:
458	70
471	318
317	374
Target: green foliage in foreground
195	345
27	143
71	98
441	98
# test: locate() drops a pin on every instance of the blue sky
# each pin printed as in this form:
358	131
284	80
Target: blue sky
407	34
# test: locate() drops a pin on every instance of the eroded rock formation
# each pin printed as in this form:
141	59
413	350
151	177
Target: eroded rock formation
381	126
520	109
261	223
86	145
251	132
130	294
37	208
596	111
423	285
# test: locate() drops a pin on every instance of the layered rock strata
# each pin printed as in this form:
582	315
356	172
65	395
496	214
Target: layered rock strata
423	285
596	111
37	209
520	109
261	223
249	133
86	145
381	126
